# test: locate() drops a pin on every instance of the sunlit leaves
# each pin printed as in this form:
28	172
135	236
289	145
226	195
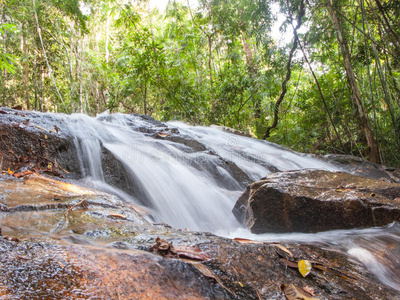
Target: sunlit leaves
8	62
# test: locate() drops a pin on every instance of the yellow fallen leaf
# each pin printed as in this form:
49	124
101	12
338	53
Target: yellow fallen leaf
304	267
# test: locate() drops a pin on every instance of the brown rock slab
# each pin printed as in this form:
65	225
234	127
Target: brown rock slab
315	200
43	270
84	244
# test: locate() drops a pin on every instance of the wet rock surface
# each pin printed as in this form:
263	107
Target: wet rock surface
31	140
316	200
362	167
62	241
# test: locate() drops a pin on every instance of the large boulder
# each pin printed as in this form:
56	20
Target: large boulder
316	200
62	241
36	141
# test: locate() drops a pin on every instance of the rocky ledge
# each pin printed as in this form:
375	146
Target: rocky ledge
316	200
63	241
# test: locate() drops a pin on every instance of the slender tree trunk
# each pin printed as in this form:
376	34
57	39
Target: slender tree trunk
35	74
71	74
4	72
288	72
351	79
107	36
371	92
4	75
253	73
78	77
194	43
145	98
249	55
26	66
210	69
42	106
321	94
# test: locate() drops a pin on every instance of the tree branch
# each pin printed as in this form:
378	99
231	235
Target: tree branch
288	72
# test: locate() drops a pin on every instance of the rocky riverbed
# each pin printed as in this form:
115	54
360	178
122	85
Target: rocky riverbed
61	239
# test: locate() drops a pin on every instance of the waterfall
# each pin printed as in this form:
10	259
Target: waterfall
191	176
183	188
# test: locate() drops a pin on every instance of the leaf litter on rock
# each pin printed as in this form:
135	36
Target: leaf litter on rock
166	248
206	271
293	292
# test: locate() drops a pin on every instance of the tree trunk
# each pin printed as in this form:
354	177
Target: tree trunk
26	67
210	69
351	79
107	37
42	106
145	98
288	73
35	82
249	55
4	51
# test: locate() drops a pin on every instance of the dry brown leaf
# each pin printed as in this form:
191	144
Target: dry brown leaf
65	171
162	134
23	174
207	272
139	209
295	293
22	257
41	128
334	271
283	248
117	216
343	190
192	252
291	264
246	241
309	289
163	247
321	268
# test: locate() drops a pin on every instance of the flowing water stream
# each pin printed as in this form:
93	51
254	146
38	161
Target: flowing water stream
196	190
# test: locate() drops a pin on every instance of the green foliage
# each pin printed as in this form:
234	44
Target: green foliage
7	61
214	64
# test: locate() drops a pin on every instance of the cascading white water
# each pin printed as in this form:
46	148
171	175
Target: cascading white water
177	188
195	190
255	157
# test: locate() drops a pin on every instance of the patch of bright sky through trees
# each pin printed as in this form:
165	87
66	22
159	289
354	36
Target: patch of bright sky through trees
282	38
